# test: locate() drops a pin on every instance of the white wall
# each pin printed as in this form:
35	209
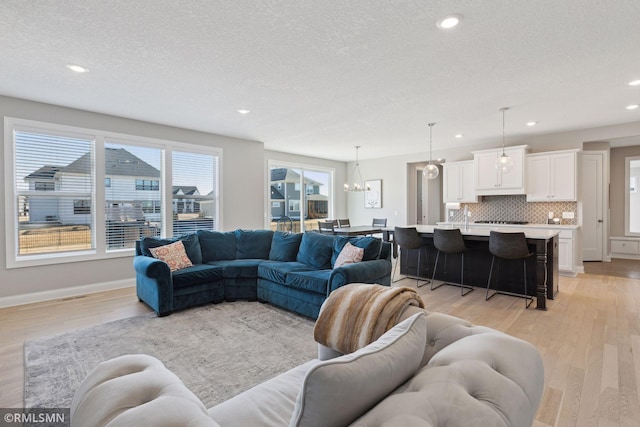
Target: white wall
243	205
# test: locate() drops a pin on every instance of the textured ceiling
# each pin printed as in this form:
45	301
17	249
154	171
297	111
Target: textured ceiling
323	76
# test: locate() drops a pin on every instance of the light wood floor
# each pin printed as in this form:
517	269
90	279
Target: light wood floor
589	339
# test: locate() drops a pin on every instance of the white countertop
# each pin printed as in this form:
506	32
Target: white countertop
541	226
529	232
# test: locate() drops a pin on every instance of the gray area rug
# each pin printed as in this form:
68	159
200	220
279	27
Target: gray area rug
217	350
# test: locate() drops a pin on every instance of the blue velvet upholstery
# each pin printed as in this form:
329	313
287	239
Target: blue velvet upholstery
216	245
284	246
253	244
292	271
316	250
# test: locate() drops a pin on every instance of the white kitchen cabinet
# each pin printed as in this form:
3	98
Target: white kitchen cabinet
552	176
489	181
459	182
565	254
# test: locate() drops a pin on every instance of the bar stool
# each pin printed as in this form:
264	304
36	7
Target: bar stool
409	239
509	246
449	241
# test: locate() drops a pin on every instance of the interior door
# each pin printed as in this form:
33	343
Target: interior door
593	207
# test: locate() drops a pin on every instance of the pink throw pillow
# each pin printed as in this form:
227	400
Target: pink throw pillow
173	254
349	255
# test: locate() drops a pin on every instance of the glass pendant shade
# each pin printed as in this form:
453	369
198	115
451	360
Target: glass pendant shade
430	171
504	163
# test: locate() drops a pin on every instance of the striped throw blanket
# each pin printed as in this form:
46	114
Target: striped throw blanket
358	314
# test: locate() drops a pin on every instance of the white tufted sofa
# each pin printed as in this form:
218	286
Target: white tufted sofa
466	376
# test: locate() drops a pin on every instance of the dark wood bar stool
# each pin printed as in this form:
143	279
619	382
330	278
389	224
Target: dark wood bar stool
449	241
509	246
409	239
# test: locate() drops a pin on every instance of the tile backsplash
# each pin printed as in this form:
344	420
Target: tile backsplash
515	208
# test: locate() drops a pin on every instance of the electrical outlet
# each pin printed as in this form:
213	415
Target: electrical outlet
568	215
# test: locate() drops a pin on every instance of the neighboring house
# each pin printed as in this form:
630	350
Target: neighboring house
286	197
132	191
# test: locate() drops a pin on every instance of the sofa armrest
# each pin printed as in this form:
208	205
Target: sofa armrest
154	284
361	272
136	390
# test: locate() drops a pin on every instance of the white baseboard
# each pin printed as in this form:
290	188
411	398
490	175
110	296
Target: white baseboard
74	291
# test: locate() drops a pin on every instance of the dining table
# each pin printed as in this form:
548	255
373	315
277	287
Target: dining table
357	230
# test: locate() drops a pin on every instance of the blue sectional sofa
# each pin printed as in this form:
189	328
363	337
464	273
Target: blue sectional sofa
290	270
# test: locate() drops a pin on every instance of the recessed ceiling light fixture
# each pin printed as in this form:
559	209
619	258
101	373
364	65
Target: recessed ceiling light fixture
632	106
77	68
532	123
460	135
449	21
243	111
634	83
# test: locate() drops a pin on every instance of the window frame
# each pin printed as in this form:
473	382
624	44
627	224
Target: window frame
97	202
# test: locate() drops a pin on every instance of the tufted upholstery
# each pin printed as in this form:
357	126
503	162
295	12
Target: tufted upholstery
469	375
136	390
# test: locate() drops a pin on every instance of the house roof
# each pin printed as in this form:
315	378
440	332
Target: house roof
289	175
46	172
118	161
186	190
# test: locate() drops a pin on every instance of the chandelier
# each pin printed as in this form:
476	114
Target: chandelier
358	185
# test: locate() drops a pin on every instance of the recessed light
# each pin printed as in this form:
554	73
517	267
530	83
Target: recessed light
634	83
243	111
632	106
459	135
77	68
532	123
449	21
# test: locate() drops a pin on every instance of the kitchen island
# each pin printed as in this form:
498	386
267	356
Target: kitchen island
542	267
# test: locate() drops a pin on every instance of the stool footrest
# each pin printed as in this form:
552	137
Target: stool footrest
529	298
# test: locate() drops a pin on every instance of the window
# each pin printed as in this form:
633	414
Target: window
147	185
59	214
81	207
303	207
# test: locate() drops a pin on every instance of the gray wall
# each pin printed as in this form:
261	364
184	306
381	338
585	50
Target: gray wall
242	206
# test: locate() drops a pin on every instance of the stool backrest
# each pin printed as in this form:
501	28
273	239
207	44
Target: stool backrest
448	240
407	237
508	245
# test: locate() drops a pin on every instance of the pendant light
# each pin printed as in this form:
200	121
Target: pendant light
504	163
359	184
430	171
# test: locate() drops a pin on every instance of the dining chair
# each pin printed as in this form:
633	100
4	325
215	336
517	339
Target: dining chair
326	227
343	223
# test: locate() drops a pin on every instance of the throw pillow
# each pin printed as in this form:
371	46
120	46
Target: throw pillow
173	254
338	391
190	241
349	255
316	250
284	246
371	246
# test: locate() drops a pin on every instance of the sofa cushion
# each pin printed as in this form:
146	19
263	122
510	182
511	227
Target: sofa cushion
371	246
173	254
284	246
253	244
198	274
190	241
349	255
316	250
217	245
314	281
276	271
235	268
338	391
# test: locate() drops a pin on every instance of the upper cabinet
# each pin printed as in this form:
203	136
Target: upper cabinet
489	181
552	176
459	182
